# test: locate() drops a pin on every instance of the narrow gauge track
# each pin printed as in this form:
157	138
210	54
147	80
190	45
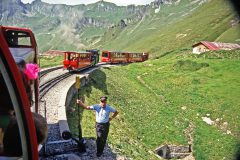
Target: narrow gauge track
43	73
44	88
58	149
55	147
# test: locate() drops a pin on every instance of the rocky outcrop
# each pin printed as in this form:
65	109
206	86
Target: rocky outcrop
122	24
157	3
83	22
89	21
12	10
15	11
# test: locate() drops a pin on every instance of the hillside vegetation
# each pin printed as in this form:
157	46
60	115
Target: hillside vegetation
158	27
175	27
65	27
167	99
164	101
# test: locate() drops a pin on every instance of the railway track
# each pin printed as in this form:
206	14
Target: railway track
45	72
56	147
45	87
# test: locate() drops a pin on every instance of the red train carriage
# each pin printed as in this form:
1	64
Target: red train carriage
137	57
79	60
123	57
19	84
67	59
114	57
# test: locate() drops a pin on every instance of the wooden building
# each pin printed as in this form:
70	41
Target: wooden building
204	46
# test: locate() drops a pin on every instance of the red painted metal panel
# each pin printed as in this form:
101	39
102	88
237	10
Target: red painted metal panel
15	74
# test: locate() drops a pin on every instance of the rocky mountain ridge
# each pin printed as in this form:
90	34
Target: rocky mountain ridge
14	11
84	22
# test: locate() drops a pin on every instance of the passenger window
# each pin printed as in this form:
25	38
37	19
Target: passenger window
104	55
18	39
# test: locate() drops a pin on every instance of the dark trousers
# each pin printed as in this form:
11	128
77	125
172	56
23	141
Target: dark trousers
102	134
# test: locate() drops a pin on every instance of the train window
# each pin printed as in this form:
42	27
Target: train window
136	55
73	56
18	38
83	55
105	55
68	55
118	55
20	46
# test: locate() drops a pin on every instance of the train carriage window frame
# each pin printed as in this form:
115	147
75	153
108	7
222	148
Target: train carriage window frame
118	55
73	56
83	55
68	55
136	55
18	39
105	54
20	44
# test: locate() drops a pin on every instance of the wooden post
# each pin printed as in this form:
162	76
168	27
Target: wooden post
81	145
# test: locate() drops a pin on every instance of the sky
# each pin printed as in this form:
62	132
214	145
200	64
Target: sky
75	2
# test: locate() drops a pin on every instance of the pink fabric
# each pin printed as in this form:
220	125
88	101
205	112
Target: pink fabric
31	71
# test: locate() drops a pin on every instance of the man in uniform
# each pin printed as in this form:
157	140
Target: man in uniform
102	121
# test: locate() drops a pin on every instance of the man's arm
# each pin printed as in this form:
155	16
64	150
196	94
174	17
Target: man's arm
114	115
80	103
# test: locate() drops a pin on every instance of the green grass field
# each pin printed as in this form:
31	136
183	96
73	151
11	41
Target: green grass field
45	62
160	98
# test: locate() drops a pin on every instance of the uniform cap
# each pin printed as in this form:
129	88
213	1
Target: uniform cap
103	98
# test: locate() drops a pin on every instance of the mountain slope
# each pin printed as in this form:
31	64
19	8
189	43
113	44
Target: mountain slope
167	101
170	30
59	26
64	27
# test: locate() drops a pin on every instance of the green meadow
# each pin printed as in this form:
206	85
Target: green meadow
45	62
176	27
163	101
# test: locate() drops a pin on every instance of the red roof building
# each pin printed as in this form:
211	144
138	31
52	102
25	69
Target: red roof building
204	46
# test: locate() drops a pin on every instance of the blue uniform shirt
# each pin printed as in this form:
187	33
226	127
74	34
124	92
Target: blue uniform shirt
102	114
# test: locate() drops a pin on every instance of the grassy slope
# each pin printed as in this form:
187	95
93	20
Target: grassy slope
97	12
160	98
170	30
50	61
151	97
232	35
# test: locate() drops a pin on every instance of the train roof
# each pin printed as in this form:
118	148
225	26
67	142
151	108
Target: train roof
94	50
15	28
81	52
122	52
